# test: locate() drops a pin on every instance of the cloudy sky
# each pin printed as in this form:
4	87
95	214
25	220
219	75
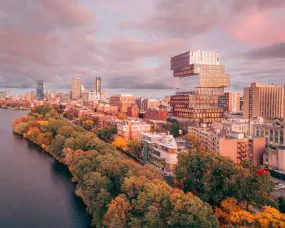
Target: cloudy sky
129	42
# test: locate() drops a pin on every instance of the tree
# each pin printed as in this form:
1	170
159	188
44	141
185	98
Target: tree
20	128
270	217
106	133
57	145
88	125
281	204
120	143
173	128
118	212
134	147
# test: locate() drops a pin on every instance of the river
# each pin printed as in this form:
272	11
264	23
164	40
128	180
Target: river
35	190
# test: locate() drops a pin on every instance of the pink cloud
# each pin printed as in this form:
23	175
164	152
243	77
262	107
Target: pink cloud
259	28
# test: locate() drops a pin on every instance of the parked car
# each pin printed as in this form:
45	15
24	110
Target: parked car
276	188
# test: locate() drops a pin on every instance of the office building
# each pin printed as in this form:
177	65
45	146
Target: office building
76	88
40	89
98	84
4	95
276	158
201	83
266	101
122	101
82	89
93	96
149	103
132	129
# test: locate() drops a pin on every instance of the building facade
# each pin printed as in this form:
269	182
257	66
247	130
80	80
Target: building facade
266	101
76	89
132	129
133	111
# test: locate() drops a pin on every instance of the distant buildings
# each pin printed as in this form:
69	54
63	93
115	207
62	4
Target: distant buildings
4	95
76	88
40	89
132	129
122	101
266	101
201	82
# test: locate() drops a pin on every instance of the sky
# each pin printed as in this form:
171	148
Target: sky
129	43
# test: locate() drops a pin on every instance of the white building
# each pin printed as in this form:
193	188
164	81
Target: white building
160	150
93	96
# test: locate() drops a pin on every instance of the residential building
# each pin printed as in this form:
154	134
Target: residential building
132	129
266	101
156	114
40	89
4	95
235	146
160	150
122	101
76	89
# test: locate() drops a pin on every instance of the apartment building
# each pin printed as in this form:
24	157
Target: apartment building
132	129
266	101
122	101
156	114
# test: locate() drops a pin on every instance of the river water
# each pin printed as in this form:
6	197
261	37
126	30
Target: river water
35	190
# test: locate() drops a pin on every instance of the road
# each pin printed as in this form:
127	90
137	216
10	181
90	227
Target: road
275	194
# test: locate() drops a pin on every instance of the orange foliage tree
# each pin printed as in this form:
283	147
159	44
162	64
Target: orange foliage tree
120	143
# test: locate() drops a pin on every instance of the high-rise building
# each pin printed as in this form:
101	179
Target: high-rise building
40	89
98	84
76	88
230	102
82	89
201	82
266	101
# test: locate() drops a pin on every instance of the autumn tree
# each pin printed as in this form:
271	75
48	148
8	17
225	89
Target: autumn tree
120	143
88	125
122	116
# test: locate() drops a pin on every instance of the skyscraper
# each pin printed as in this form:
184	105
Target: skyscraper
40	89
201	82
98	85
76	88
266	101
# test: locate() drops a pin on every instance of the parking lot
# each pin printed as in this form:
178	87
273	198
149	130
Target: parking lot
280	192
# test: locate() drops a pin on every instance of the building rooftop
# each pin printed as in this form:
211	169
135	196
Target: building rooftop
162	139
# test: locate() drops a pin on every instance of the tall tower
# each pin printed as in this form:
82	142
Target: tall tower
98	85
40	89
76	88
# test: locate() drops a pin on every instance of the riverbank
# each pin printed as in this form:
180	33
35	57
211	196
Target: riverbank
36	190
116	192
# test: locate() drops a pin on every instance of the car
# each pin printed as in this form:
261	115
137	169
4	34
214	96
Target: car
275	181
282	186
276	188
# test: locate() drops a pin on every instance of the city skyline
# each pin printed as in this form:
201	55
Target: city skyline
134	53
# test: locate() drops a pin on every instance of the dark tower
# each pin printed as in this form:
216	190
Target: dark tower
40	89
98	85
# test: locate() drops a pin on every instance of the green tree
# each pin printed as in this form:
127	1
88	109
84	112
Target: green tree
134	147
106	133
